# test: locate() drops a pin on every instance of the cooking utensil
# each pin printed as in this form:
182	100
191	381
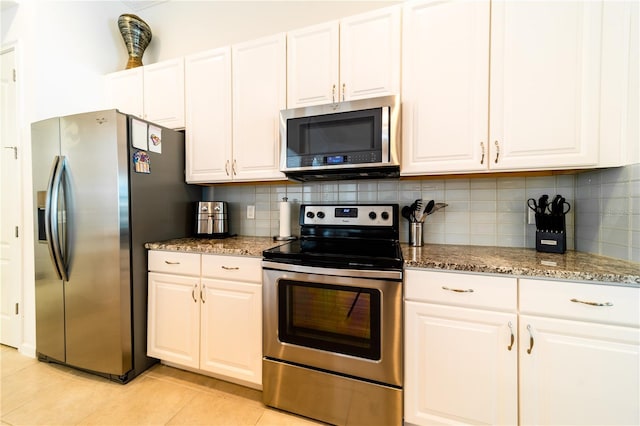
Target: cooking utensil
543	203
425	211
559	206
436	207
406	213
413	208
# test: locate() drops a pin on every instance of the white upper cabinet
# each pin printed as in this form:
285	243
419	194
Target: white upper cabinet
164	93
313	65
259	93
125	91
153	92
527	99
355	58
445	76
545	83
208	116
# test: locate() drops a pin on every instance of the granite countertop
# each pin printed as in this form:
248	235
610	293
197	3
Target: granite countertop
240	246
523	262
520	262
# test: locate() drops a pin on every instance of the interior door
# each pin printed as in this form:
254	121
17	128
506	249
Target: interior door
10	231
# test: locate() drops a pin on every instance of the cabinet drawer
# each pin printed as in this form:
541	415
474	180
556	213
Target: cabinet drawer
174	262
237	268
581	301
478	291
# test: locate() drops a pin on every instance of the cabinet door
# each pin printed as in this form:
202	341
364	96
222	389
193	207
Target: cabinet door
208	116
125	91
545	71
173	326
461	366
577	373
370	54
445	87
164	93
312	65
231	339
259	93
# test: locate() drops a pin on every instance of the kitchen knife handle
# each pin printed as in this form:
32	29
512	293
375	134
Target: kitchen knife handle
458	290
482	148
497	151
530	339
513	338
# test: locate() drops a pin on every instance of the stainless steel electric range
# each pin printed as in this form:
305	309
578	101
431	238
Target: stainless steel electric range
332	329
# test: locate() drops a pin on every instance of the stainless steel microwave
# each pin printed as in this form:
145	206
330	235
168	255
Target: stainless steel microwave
353	139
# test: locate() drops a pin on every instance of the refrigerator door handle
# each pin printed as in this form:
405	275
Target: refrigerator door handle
51	214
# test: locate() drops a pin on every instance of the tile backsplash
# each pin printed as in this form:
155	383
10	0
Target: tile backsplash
604	218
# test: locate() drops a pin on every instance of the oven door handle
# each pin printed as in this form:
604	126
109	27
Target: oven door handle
394	275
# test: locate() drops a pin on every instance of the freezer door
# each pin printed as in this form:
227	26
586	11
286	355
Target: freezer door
45	147
98	293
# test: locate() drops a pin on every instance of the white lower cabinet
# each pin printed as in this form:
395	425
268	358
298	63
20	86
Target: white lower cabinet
579	354
574	358
207	318
461	350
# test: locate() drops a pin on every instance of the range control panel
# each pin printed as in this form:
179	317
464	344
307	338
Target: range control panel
347	214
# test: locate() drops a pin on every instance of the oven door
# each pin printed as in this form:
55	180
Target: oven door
349	323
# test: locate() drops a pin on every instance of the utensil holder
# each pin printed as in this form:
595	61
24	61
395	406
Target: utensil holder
415	234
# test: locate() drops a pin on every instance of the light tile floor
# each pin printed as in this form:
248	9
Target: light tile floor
37	393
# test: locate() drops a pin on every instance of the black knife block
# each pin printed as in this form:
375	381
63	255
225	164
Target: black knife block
551	233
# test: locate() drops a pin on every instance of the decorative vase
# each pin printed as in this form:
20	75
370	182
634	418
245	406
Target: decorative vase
136	35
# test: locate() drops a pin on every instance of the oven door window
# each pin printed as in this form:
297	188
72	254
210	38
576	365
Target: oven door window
332	318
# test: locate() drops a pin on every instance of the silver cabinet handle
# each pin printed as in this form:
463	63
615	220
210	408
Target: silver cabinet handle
513	338
458	290
230	268
530	339
193	293
233	167
333	94
168	262
592	303
482	148
497	151
344	86
226	167
202	294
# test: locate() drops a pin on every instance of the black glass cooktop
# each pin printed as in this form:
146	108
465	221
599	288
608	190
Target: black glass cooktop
339	253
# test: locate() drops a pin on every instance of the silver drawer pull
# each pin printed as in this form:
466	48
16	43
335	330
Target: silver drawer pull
458	290
171	263
592	303
230	268
530	339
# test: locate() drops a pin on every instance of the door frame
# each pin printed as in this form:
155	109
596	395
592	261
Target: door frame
19	290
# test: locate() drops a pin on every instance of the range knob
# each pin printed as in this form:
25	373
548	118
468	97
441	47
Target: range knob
384	215
372	215
320	215
310	215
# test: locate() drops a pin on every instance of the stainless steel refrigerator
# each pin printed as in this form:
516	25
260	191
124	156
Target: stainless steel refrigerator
104	184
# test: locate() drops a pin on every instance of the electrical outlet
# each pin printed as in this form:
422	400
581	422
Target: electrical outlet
532	217
251	212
